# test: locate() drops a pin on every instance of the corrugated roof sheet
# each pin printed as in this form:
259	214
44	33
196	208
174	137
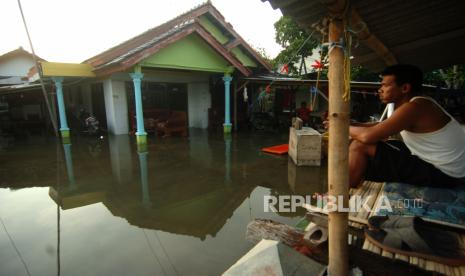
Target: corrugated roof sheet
428	33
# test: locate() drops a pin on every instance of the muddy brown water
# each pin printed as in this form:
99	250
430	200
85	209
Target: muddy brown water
100	207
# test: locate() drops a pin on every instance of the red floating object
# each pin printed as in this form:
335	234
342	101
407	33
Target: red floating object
279	149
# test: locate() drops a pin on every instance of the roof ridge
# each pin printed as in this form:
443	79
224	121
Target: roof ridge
129	50
17	51
164	24
175	28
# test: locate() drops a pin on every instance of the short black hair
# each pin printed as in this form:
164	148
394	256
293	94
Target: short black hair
406	73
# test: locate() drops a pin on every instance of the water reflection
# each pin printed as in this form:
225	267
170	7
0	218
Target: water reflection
306	180
121	158
227	157
72	193
144	179
69	166
164	211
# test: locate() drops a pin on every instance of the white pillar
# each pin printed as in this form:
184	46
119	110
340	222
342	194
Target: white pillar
116	106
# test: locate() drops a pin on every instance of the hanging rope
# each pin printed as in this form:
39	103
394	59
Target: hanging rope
34	57
320	68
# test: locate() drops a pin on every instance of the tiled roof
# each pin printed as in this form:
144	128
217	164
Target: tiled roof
130	52
17	52
149	43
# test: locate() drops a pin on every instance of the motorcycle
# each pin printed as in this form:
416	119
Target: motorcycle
90	123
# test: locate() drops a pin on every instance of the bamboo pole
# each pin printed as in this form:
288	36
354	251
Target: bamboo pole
53	119
338	167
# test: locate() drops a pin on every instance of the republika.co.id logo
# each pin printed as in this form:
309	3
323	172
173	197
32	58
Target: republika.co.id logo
328	203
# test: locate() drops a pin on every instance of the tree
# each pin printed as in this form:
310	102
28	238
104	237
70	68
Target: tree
452	77
262	52
294	41
360	73
292	37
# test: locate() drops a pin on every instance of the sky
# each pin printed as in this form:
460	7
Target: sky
75	30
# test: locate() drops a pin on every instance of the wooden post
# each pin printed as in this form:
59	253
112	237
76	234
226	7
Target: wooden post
338	166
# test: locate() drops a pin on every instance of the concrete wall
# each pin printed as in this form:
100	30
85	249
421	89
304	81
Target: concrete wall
18	66
198	94
116	106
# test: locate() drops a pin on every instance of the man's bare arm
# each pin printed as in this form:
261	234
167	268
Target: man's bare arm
368	124
401	119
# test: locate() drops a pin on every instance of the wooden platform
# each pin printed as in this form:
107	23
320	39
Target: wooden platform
373	191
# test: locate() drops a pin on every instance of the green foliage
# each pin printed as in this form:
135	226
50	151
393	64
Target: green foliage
292	37
360	73
262	52
434	77
452	77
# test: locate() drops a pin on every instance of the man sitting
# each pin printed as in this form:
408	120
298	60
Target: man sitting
433	151
303	113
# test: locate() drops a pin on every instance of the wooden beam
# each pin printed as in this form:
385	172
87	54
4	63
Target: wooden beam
371	41
232	44
215	13
58	69
221	50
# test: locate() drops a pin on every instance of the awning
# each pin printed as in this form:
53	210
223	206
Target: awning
429	34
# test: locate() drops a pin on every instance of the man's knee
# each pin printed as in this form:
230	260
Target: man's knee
360	147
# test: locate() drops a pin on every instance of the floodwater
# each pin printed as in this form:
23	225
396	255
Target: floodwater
98	207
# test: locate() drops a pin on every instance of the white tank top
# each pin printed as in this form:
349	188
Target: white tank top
444	148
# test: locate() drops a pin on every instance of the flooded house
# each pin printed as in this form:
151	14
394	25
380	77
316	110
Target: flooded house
184	68
20	101
133	203
177	206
